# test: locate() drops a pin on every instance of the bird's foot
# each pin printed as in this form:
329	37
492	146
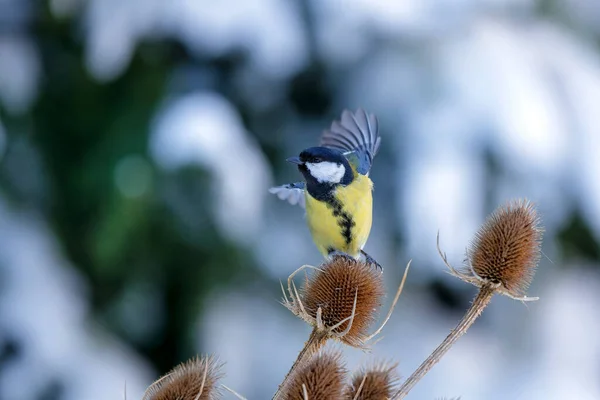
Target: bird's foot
337	253
371	260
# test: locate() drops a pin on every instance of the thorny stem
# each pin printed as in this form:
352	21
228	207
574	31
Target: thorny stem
479	303
315	341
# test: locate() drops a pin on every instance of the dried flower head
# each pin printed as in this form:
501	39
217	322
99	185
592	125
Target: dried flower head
341	299
505	250
335	290
502	259
194	380
374	383
320	378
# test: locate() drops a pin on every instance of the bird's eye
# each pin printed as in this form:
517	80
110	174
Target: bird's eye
318	159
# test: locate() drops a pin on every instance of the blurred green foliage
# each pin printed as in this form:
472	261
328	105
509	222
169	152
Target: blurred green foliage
80	130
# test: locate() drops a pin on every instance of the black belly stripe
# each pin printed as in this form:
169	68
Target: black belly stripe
344	220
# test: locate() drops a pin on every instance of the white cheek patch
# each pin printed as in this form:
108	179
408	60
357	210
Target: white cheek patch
327	171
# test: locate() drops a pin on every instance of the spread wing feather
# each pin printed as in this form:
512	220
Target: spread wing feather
293	193
357	136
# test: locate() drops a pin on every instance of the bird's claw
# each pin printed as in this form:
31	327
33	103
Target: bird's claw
337	253
371	260
368	259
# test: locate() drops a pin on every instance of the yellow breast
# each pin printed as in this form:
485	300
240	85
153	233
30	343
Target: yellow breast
344	222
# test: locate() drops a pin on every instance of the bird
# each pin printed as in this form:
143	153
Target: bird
336	190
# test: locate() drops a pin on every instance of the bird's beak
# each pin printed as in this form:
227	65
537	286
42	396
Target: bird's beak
295	160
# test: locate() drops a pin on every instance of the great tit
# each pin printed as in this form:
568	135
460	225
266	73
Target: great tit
337	190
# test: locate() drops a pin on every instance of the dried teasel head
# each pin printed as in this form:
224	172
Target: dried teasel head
502	259
195	379
378	382
320	378
340	299
505	250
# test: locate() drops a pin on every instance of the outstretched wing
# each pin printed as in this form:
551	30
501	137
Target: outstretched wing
292	192
356	135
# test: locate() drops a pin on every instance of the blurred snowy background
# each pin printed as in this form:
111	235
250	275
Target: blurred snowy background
138	139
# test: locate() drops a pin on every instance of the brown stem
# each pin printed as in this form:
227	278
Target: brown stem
315	341
479	303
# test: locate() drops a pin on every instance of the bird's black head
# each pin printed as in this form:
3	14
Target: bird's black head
323	168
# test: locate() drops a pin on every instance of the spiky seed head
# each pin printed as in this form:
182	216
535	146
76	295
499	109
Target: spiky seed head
379	382
334	289
506	249
323	376
195	379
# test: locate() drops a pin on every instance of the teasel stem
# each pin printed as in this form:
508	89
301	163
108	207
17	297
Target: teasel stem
315	341
479	304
